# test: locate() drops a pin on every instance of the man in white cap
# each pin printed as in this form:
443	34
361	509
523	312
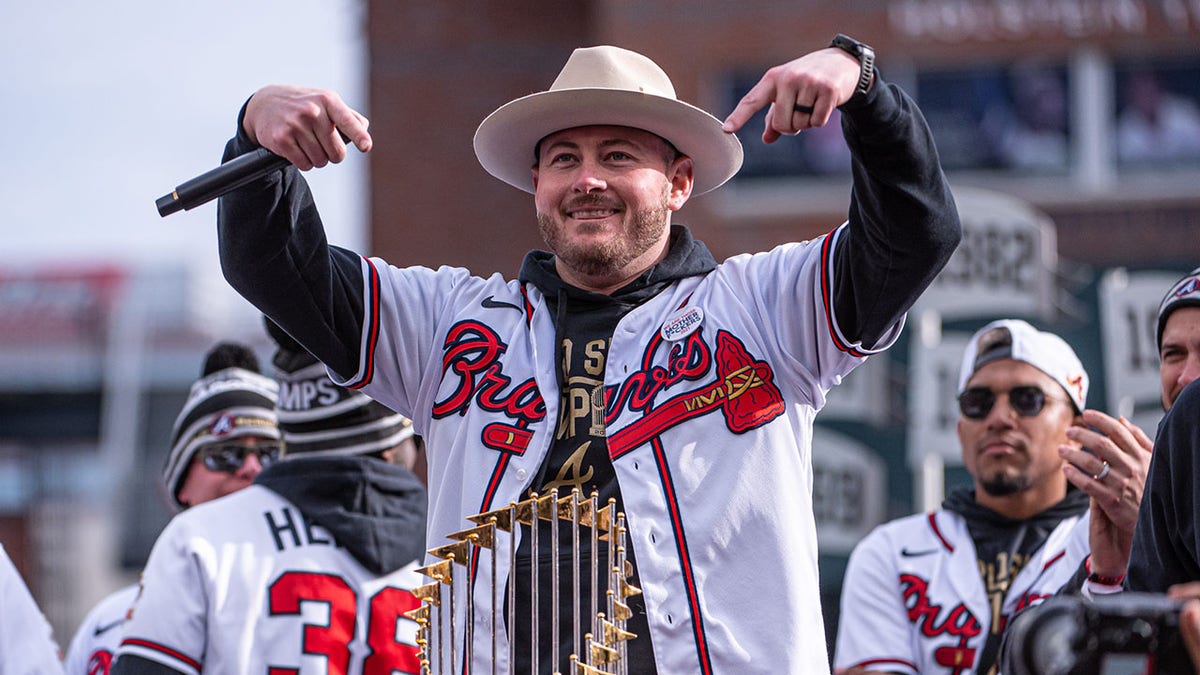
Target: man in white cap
625	361
307	570
1164	553
933	592
222	437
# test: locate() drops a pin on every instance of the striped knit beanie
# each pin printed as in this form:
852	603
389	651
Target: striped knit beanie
319	418
1183	293
230	400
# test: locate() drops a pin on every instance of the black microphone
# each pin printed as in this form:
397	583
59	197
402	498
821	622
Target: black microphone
226	178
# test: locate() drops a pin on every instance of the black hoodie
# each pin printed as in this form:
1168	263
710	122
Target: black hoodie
1002	547
375	510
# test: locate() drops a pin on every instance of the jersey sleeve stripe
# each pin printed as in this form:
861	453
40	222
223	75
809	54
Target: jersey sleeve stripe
827	247
937	531
160	654
873	664
371	323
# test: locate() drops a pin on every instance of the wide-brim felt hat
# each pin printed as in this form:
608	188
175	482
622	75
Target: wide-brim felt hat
606	85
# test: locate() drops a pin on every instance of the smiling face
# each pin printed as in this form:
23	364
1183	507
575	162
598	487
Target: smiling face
1180	352
1014	459
604	196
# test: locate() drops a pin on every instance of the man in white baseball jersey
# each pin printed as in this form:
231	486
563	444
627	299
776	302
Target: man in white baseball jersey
932	592
626	360
222	438
26	640
306	571
1164	553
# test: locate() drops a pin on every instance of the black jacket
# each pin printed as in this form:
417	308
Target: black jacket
903	227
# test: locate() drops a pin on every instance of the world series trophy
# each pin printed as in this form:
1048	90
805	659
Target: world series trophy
602	649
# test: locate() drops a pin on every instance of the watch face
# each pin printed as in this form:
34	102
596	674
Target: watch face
848	44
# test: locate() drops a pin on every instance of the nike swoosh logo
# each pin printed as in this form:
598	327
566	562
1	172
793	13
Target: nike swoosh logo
490	302
100	630
914	554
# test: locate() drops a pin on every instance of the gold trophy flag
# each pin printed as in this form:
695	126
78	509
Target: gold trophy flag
483	536
602	653
582	668
429	593
525	511
501	516
420	614
459	552
614	633
546	506
439	570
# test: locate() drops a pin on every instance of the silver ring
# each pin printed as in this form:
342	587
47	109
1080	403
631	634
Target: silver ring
1103	472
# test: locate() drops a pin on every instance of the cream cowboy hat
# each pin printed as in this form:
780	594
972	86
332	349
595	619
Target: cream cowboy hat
609	86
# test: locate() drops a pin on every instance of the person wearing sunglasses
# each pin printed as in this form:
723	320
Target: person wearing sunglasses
1164	555
308	570
933	592
222	438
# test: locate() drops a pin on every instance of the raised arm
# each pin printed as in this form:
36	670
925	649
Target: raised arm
272	242
903	224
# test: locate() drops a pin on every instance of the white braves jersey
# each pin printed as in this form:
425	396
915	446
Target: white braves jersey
26	641
913	600
243	584
712	386
96	640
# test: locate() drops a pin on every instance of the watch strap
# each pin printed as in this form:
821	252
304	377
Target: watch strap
865	55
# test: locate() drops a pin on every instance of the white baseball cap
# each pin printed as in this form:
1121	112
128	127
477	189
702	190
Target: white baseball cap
1017	340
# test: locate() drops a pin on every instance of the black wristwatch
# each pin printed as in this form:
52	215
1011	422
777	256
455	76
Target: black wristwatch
866	60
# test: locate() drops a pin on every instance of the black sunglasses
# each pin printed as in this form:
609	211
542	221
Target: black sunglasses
229	457
975	403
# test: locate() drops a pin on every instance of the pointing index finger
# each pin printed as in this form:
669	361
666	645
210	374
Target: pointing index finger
756	99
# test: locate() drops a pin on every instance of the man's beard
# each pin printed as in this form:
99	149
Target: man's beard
611	257
1004	484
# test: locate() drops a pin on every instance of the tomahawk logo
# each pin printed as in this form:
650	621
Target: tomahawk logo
744	392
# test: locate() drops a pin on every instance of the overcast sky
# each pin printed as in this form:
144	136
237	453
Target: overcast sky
109	105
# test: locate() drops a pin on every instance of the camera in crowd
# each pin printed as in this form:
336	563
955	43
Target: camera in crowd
1120	634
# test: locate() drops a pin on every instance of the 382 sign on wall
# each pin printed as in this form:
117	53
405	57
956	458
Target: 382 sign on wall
1004	265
